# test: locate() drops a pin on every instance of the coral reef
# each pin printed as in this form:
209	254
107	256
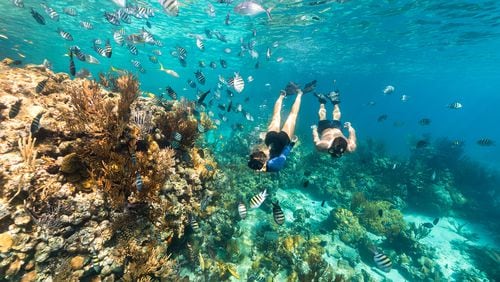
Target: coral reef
89	195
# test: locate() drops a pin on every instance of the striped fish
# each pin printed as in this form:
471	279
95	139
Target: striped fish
191	83
86	25
112	18
177	136
258	199
158	43
382	261
136	63
238	83
78	53
171	93
65	35
107	49
99	50
200	44
123	16
118	36
242	210
201	128
133	50
138	182
200	77
14	109
38	18
181	52
171	7
278	215
35	124
183	62
223	63
70	11
72	68
41	85
133	157
213	65
485	142
51	12
194	223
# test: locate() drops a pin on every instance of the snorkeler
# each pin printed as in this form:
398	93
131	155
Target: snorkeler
332	139
271	157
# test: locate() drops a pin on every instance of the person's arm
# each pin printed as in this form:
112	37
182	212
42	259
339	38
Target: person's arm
351	141
320	145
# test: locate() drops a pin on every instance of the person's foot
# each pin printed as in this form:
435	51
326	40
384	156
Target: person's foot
321	98
334	98
291	88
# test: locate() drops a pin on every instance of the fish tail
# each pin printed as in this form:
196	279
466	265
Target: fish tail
268	12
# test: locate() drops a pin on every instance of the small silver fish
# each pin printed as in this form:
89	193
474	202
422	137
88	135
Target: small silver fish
250	8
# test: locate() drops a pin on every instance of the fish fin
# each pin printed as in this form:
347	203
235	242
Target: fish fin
161	66
268	12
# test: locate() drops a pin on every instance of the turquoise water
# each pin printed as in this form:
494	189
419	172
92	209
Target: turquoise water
436	52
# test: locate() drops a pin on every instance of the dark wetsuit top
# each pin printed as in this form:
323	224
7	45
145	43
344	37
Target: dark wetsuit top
280	147
325	124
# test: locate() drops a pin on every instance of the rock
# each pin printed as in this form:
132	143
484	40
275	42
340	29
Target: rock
22	220
71	164
29	277
14	268
110	278
6	242
77	262
55	243
106	270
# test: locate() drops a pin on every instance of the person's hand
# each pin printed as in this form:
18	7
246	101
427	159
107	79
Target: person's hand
347	125
298	91
282	92
314	126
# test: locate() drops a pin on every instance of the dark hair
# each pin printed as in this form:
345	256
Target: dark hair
257	160
339	145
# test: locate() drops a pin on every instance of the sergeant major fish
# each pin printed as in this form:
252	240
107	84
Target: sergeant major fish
258	199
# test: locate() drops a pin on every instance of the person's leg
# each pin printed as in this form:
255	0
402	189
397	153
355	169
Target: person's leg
289	126
275	122
336	112
322	112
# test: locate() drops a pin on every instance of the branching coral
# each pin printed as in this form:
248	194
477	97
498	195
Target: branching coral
27	150
92	112
178	118
128	86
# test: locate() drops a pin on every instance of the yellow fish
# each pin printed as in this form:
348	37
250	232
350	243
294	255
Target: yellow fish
170	72
117	70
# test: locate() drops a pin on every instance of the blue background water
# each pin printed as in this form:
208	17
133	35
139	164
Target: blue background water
436	52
